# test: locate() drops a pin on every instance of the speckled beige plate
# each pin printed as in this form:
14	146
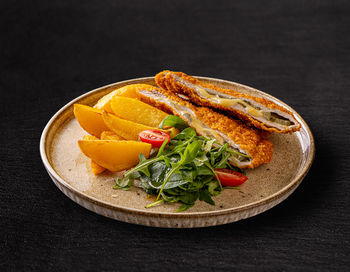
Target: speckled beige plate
267	185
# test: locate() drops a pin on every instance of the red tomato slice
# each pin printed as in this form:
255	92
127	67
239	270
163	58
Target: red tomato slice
154	137
229	177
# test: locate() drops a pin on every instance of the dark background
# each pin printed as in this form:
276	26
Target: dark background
54	51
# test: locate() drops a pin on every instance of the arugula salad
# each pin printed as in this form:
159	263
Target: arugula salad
184	169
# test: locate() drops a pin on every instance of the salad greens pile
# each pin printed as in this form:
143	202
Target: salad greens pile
182	170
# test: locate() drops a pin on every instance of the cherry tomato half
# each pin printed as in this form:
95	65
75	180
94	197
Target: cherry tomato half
154	137
229	177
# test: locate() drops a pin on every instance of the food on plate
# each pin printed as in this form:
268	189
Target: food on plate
183	170
114	155
110	135
155	137
259	111
126	91
229	177
249	148
127	129
182	142
90	119
136	111
96	169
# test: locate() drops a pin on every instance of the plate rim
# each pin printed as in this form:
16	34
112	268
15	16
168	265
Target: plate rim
289	188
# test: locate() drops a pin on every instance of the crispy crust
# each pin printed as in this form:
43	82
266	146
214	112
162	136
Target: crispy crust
257	147
166	80
160	79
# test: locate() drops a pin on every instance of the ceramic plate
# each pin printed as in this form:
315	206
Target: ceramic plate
267	185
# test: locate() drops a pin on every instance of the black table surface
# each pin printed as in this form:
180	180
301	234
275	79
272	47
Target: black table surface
54	51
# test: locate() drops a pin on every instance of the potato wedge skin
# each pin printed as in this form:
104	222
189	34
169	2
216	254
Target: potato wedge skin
136	111
111	135
90	138
90	119
104	102
115	155
96	169
126	91
127	129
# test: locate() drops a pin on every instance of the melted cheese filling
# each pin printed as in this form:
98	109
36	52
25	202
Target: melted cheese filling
228	102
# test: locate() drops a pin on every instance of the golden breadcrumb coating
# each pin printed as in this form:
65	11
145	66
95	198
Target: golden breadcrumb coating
249	139
160	80
166	80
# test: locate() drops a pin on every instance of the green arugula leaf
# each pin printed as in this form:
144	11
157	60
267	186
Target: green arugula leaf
175	181
237	169
158	171
203	170
215	156
216	176
186	134
156	203
145	168
214	189
123	184
161	149
184	207
189	197
173	121
191	152
189	174
204	195
142	166
182	170
222	163
145	185
200	160
173	197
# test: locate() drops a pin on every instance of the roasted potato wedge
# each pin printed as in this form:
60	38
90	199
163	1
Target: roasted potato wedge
90	119
136	111
125	128
96	169
111	135
115	155
126	91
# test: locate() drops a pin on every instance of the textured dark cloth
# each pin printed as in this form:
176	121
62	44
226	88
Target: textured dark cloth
53	51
